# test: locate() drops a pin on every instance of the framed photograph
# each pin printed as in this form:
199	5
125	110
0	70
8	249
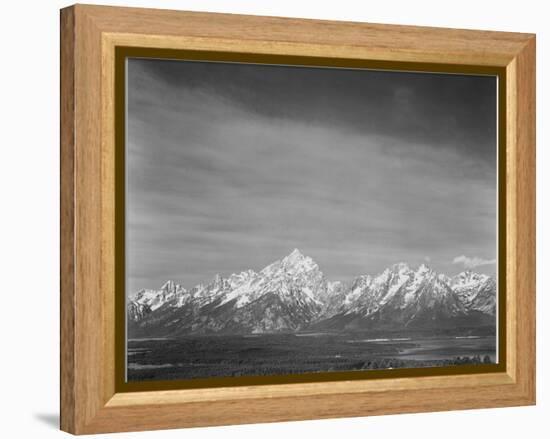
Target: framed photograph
268	219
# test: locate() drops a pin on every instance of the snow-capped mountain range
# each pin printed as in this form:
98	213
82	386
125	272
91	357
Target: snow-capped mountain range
292	294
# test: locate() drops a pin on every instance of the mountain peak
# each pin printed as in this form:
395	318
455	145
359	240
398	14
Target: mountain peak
424	268
169	286
292	293
468	277
294	257
296	253
400	267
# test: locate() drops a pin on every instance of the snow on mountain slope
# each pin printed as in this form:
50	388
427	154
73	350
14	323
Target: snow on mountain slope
292	294
476	291
399	297
282	296
154	299
333	297
368	294
137	311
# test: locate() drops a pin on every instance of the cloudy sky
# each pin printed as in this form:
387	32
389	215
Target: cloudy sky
232	166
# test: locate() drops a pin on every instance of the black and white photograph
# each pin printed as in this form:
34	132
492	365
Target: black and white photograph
290	219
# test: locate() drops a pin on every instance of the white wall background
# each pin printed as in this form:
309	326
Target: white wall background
29	237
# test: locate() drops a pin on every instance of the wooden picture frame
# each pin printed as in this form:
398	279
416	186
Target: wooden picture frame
91	398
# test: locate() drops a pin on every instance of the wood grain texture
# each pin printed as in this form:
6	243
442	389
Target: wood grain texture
67	254
525	255
89	403
371	41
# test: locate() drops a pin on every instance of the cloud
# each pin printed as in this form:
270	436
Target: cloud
218	184
473	262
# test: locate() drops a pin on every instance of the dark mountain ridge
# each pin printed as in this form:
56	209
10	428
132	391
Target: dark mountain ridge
293	295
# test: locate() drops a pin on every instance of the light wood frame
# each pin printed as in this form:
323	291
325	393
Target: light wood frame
89	36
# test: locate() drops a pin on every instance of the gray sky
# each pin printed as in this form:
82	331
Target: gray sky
232	166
